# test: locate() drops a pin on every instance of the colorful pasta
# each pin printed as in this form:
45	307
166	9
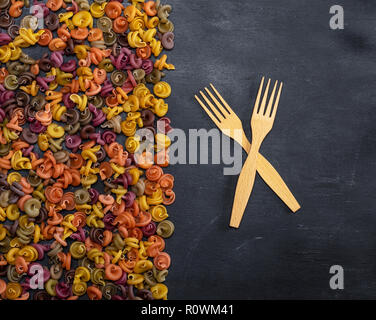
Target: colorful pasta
60	114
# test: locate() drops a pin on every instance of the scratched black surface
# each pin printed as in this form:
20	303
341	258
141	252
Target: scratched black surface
323	144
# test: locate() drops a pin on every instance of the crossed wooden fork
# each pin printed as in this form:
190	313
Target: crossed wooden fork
228	122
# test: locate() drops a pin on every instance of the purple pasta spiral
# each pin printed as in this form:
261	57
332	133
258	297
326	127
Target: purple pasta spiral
129	198
131	79
107	88
163	125
69	66
26	151
40	9
94	195
149	229
168	40
72	142
57	58
43	82
147	66
40	249
121	61
97	137
4	39
123	279
63	290
2	115
109	136
122	179
37	127
135	62
6	96
108	219
98	115
68	102
79	235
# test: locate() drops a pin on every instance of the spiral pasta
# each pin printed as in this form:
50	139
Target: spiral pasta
60	117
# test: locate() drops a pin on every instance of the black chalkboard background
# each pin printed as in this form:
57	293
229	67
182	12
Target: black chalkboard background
323	144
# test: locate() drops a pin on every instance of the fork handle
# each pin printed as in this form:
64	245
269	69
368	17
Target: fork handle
272	178
245	185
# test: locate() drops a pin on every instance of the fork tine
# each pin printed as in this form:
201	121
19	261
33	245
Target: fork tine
207	111
271	100
263	102
214	109
277	101
217	103
255	108
229	110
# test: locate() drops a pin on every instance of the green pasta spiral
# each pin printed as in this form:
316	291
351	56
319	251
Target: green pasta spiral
77	250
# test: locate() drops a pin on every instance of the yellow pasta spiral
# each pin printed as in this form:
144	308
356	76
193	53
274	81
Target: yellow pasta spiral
77	250
162	141
79	288
152	22
143	266
13	212
81	101
148	35
43	143
134	40
162	89
142	202
137	24
19	162
156	47
14	177
156	197
93	221
140	90
132	144
29	253
11	255
159	291
13	290
159	213
81	51
160	108
129	127
134	278
146	101
31	89
27	38
96	256
10	135
82	274
5	54
3	214
50	287
135	174
57	111
97	9
131	242
3	232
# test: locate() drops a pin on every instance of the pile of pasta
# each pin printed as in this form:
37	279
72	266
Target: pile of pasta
84	149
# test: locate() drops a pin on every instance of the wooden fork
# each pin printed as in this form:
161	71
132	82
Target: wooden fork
229	123
261	124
